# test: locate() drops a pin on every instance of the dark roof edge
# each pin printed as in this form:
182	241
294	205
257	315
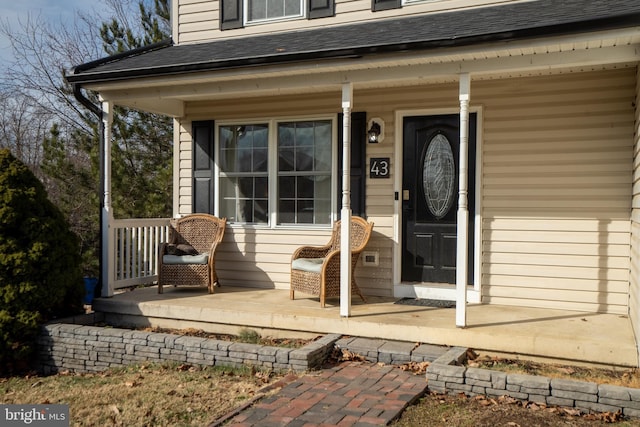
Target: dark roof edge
122	55
597	24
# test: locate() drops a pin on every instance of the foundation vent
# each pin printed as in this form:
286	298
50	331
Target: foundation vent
370	258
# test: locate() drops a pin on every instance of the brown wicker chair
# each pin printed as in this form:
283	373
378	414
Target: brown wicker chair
189	256
316	270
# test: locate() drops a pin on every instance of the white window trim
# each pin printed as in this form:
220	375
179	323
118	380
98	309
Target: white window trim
273	171
408	2
245	15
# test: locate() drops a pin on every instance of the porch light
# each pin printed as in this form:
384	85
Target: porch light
375	133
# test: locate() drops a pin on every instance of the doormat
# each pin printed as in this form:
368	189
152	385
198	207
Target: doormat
426	302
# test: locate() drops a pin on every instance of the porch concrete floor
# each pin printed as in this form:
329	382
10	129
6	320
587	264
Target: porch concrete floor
527	332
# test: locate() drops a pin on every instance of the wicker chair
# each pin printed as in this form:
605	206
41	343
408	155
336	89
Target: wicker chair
316	270
189	256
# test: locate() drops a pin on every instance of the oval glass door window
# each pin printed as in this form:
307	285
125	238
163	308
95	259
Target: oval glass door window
439	176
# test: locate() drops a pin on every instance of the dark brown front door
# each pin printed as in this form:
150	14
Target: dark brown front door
430	196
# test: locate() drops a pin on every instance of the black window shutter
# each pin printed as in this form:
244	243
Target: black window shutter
377	5
230	14
358	159
203	160
321	8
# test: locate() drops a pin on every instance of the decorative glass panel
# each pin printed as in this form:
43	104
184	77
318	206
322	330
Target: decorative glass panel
439	176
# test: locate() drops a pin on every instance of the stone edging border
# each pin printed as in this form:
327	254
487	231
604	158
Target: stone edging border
445	374
80	347
83	348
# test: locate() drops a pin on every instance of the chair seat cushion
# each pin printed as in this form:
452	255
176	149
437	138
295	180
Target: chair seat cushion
181	249
311	265
186	259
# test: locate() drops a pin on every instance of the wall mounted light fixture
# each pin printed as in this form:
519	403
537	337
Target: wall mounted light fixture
375	133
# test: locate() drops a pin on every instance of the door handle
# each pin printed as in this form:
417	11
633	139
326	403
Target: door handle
405	195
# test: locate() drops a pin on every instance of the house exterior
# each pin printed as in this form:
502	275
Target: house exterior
506	171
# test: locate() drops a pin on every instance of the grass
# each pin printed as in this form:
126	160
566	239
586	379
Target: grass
184	395
147	394
438	410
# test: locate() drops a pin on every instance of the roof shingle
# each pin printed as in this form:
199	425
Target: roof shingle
505	22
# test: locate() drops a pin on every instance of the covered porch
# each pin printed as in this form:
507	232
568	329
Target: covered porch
580	257
570	337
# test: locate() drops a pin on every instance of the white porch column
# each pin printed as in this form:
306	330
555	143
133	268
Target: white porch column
345	235
106	214
462	253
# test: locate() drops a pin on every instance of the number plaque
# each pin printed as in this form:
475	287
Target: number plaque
379	167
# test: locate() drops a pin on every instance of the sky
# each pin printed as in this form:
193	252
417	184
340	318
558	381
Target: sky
53	11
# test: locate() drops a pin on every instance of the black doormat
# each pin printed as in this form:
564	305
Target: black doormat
426	302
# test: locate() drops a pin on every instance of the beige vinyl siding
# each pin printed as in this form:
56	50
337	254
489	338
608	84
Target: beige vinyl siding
634	295
556	183
260	257
198	20
185	176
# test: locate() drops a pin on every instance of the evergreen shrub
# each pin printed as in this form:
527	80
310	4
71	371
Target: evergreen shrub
40	275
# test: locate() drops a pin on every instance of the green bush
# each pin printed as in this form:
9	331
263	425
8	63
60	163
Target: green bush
40	276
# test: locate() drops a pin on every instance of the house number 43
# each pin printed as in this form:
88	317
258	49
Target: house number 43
379	167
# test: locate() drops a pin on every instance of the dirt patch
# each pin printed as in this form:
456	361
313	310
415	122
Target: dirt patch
436	410
247	336
621	377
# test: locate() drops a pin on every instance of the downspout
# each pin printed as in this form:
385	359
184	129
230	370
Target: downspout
98	111
77	93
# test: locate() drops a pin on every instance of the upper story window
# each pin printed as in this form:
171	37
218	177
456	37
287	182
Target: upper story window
270	10
238	13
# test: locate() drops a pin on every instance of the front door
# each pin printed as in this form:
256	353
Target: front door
430	196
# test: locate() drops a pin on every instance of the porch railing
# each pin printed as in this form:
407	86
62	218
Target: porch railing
133	246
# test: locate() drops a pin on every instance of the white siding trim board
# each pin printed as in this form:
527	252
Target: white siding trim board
634	273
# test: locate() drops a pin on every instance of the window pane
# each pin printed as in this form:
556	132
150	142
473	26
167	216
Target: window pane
286	187
304	158
304	190
244	166
304	134
227	198
275	8
286	211
306	187
257	9
261	211
260	159
305	212
227	188
285	159
292	7
262	188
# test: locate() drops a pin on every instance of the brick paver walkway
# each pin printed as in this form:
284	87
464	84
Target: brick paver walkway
349	394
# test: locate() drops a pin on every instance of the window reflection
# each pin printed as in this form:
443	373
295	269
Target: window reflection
243	182
303	172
